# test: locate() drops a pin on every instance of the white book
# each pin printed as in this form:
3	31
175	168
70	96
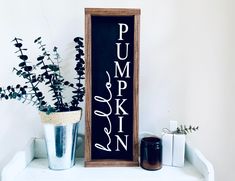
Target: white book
167	147
178	150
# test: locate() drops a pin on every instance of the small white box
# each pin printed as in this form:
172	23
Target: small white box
178	150
167	148
173	125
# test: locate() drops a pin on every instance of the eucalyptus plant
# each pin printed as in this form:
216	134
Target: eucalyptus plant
46	71
183	129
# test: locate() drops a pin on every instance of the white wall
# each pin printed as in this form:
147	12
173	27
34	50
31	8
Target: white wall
187	69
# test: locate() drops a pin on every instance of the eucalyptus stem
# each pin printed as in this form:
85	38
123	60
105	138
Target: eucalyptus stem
53	78
28	69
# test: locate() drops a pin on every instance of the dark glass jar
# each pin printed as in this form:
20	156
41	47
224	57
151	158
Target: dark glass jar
151	153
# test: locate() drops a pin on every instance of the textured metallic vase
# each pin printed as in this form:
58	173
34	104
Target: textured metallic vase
61	139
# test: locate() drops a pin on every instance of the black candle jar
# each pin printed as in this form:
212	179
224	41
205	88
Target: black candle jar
151	153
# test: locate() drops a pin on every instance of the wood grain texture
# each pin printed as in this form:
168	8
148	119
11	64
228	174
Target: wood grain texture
88	87
136	89
89	12
111	163
112	11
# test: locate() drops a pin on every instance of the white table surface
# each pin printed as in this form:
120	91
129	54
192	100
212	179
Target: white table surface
31	165
38	170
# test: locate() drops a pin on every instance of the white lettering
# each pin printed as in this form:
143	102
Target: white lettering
119	50
120	124
121	72
122	85
119	140
106	115
119	107
123	28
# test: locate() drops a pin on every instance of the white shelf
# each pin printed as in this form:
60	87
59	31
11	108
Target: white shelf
31	164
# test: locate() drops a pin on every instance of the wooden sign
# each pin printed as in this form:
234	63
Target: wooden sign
112	61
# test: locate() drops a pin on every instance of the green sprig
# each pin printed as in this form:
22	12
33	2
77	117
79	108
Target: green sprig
183	129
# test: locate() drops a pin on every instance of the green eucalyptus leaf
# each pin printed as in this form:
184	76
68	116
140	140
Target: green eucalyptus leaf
19	72
23	57
40	58
79	85
14	95
25	75
22	64
36	40
18	45
44	67
39	94
66	83
28	68
53	67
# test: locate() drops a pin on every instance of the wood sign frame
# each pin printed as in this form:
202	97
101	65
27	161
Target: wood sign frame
112	25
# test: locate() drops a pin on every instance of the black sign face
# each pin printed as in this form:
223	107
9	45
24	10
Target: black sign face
112	61
112	87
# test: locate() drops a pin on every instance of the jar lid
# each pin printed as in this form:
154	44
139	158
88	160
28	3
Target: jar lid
151	140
